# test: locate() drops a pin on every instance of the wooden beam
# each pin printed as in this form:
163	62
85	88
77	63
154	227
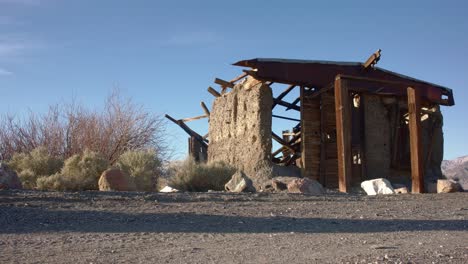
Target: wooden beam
343	134
282	95
286	104
417	169
205	109
373	59
282	142
286	118
188	130
224	83
192	118
295	102
212	91
238	77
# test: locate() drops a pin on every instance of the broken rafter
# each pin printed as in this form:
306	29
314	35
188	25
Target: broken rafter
286	104
212	91
286	118
243	75
224	83
372	60
188	130
282	95
205	109
192	118
282	142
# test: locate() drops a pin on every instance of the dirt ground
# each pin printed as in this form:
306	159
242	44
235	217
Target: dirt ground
97	227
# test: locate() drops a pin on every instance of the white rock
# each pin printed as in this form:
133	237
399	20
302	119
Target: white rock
377	186
168	189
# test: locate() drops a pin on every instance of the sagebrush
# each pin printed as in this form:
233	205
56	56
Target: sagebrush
31	166
144	166
200	177
80	172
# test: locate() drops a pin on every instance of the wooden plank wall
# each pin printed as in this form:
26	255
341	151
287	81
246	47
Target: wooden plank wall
329	169
310	129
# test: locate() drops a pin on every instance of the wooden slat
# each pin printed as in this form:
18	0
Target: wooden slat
193	118
282	142
238	78
286	118
224	83
282	95
212	91
343	134
417	170
286	104
205	109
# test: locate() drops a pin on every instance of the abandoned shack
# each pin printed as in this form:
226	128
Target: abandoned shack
357	122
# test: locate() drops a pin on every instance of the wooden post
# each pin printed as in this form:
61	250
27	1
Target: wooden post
417	170
343	134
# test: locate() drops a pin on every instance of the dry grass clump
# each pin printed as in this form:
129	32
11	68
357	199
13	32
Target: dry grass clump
33	165
80	172
199	177
144	166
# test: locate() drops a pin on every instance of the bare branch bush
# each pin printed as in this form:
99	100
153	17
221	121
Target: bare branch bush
69	129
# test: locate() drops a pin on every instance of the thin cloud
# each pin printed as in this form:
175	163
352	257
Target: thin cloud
4	72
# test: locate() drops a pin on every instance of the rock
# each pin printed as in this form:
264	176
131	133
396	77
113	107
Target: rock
377	186
239	183
281	183
8	178
115	180
401	190
447	186
168	189
305	186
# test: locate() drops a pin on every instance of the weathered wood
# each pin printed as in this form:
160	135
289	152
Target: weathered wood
343	134
224	83
212	91
286	118
238	77
417	170
295	102
286	104
205	109
188	130
323	144
193	118
373	59
281	141
282	95
310	132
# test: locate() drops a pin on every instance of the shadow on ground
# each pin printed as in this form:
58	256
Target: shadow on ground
14	220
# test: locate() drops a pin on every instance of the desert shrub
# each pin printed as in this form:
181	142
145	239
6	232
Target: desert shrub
192	176
80	172
143	166
31	166
69	129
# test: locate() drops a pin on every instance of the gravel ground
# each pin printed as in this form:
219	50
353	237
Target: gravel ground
97	227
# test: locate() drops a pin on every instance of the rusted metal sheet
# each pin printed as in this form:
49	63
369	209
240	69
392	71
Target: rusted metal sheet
321	73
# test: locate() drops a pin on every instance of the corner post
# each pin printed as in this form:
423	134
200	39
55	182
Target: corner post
343	134
417	170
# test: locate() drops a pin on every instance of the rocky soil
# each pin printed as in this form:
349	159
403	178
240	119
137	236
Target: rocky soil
99	227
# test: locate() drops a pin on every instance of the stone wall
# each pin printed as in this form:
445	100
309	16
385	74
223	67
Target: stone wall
240	128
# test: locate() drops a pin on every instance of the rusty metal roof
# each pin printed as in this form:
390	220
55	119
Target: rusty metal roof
317	73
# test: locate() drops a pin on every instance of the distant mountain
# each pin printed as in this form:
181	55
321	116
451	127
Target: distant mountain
457	169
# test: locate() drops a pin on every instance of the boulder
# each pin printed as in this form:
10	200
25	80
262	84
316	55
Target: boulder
281	183
115	180
305	186
447	186
377	186
168	189
8	178
239	183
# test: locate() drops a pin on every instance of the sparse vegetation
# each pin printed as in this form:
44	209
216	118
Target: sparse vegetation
198	177
31	166
143	166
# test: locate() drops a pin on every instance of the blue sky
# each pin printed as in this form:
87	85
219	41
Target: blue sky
164	54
